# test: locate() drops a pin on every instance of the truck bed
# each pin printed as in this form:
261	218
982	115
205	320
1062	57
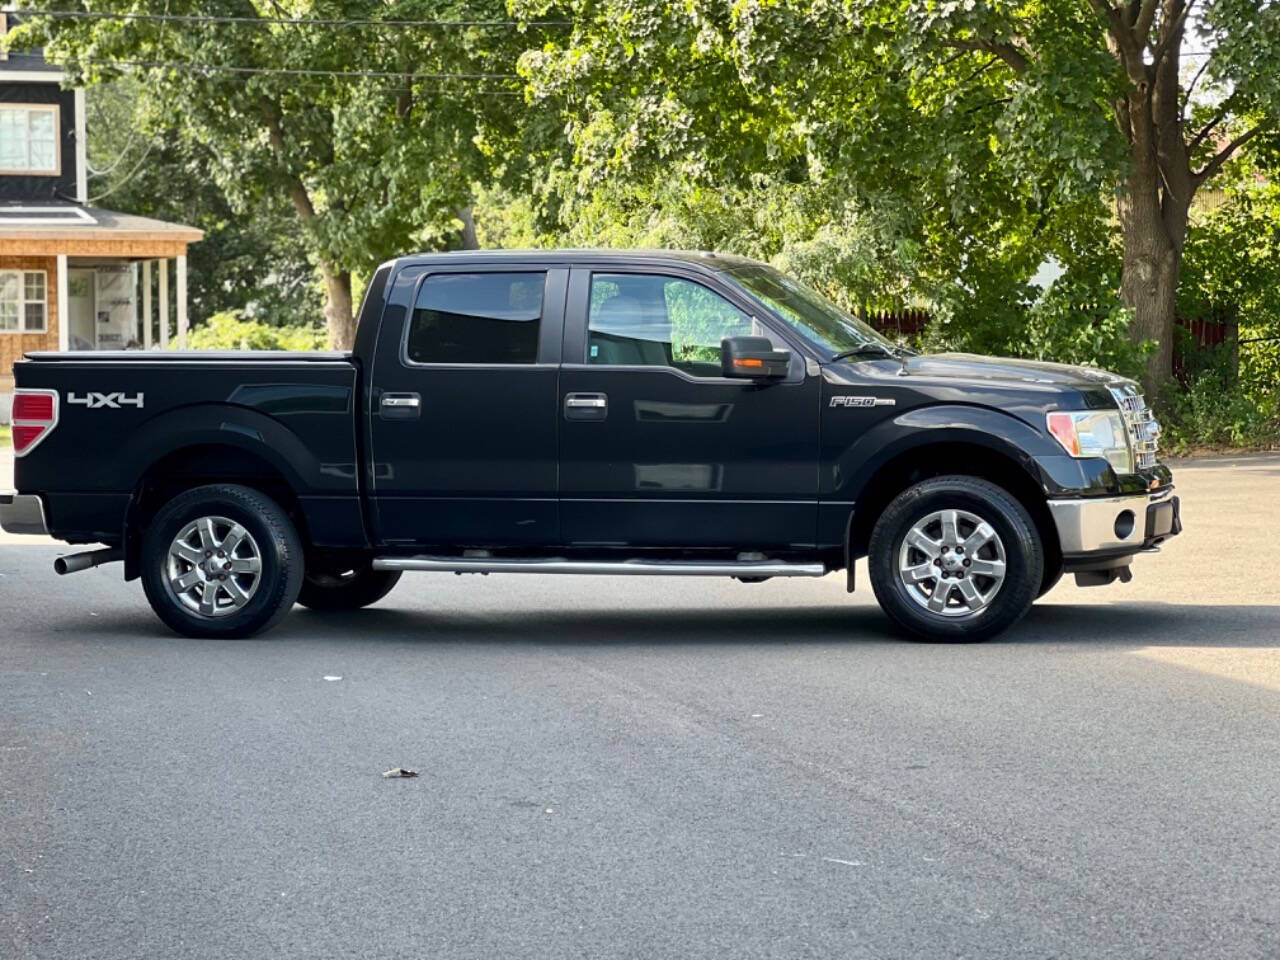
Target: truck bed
120	413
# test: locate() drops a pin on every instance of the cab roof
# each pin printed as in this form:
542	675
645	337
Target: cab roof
703	258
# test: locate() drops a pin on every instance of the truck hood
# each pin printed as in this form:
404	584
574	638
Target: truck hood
971	367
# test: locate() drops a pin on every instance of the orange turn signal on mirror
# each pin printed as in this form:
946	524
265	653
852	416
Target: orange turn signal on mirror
748	362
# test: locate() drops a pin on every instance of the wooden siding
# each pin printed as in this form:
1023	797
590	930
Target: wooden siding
14	345
137	248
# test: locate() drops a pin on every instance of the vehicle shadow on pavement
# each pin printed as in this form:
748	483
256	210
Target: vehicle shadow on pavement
1123	626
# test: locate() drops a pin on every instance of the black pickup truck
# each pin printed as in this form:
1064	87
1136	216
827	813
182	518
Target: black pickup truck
681	414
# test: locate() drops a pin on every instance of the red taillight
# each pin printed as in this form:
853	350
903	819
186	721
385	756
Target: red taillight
35	414
33	406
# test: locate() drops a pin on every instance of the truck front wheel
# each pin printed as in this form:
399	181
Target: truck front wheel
955	559
221	561
348	589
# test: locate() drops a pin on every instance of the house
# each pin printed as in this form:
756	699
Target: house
72	276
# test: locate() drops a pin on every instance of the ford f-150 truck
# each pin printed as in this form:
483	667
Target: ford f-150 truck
681	414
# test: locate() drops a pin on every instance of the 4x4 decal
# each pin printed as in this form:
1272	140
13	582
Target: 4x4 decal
112	401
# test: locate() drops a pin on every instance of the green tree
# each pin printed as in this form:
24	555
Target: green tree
371	166
1004	124
252	258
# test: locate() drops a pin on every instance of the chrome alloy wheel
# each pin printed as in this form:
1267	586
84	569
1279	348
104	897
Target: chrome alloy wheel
952	563
214	566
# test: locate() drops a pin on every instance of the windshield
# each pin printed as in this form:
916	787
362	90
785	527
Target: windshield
825	326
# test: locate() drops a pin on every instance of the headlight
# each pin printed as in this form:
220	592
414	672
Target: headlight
1094	433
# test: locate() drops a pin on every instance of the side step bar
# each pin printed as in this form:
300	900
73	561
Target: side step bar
635	568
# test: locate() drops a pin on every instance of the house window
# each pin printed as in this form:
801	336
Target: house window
24	301
29	138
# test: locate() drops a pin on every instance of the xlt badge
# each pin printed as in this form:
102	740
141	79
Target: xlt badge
851	401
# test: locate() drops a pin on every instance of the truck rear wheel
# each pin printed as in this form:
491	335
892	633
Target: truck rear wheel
955	559
221	561
351	589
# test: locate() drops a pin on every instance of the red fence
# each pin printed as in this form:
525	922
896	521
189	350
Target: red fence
898	323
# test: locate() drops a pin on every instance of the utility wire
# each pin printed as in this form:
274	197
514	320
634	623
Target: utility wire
289	21
300	72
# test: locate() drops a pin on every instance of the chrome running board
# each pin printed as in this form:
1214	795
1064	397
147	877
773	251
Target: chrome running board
633	568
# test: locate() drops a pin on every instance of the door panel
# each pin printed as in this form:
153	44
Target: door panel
464	412
678	455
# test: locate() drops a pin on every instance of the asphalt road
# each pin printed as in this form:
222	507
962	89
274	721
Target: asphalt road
654	768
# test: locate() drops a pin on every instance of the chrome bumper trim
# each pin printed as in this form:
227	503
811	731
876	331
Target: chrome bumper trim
22	513
1090	524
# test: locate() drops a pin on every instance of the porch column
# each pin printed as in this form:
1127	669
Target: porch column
182	301
164	304
64	305
146	304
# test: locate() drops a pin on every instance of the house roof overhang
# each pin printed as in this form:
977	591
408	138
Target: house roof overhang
75	230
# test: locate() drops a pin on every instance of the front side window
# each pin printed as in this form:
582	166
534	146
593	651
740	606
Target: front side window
477	318
28	139
652	320
24	301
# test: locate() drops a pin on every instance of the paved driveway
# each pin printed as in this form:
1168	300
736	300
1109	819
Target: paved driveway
654	768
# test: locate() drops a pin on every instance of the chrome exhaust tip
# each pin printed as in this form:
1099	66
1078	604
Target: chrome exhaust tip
76	562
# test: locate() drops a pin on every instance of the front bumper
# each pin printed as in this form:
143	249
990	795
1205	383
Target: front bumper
22	513
1096	528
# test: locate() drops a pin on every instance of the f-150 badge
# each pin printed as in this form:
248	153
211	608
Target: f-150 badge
851	401
112	401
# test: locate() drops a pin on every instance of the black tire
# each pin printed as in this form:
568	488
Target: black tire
352	589
272	539
1052	575
1016	535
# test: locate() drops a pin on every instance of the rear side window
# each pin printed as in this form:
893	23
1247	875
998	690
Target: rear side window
477	318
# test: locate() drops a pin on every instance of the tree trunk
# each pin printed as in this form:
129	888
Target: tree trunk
468	234
1149	287
337	307
1153	225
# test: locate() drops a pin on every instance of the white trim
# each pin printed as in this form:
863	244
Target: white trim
35	76
182	301
82	150
79	215
146	304
164	304
64	305
22	330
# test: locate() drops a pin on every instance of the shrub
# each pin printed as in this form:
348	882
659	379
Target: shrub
231	331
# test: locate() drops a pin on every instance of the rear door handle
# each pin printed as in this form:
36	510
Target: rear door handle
586	406
400	406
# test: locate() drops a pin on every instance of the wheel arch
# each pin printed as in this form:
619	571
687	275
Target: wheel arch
196	464
967	455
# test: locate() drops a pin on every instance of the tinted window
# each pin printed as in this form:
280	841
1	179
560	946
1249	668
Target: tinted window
661	321
477	318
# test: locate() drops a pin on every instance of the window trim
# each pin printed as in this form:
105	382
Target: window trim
22	303
539	361
56	110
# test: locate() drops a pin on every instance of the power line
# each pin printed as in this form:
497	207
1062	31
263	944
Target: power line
289	21
300	72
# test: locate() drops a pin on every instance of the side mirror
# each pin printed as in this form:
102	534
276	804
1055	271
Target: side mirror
753	358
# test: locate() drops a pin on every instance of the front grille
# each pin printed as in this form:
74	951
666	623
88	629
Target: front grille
1144	431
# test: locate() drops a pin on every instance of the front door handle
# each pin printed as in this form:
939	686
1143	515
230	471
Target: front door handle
586	406
400	406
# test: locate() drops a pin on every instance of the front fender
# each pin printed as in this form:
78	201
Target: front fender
848	471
